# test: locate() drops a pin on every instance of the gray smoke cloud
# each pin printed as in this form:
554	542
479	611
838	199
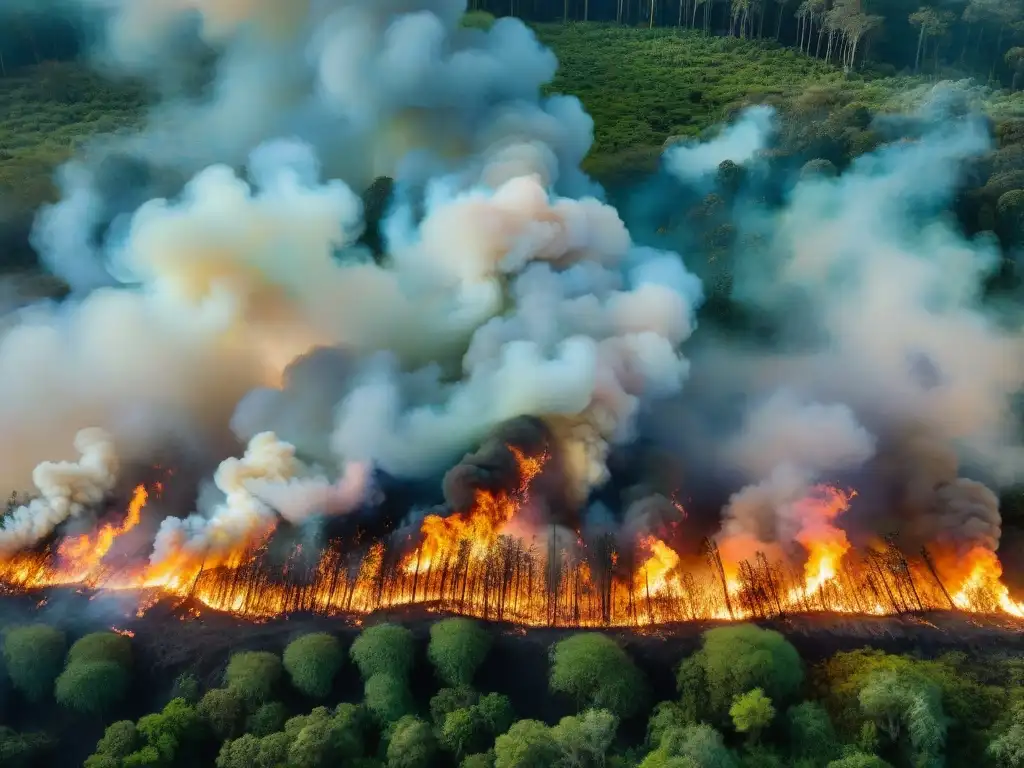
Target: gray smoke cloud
363	83
509	289
887	369
739	142
229	300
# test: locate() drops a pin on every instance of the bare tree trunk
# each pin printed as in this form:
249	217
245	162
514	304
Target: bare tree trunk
917	56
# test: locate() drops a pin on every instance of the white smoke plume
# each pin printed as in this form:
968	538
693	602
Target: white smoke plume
882	332
368	85
543	303
739	142
786	446
266	484
66	489
783	429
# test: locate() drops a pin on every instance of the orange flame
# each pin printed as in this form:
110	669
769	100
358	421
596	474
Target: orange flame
471	563
826	544
81	556
983	585
653	575
481	525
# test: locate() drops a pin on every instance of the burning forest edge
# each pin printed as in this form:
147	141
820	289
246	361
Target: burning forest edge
511	309
465	564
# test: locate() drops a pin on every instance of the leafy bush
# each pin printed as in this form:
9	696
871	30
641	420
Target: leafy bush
21	750
752	712
528	744
223	709
383	649
859	760
810	731
34	656
254	674
586	739
313	661
92	687
734	660
698	745
119	740
594	671
411	745
171	734
325	738
457	649
267	719
388	697
450	699
102	646
186	686
463	731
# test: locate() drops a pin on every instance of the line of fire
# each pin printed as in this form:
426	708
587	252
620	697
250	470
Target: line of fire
465	563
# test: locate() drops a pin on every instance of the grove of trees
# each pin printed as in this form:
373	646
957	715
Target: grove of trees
744	699
978	37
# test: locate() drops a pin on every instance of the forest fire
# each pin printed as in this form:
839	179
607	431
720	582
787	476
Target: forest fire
468	563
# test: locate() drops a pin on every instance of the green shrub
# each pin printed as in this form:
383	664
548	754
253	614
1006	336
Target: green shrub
737	659
388	697
267	719
223	709
254	674
383	649
92	687
596	673
450	699
313	661
34	656
119	740
528	744
21	750
457	649
411	745
102	646
186	686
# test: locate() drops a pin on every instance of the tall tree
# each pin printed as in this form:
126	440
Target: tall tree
931	23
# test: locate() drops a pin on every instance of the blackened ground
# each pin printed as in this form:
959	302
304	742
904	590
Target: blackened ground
170	639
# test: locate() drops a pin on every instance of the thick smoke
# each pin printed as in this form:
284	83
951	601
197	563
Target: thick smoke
266	484
886	370
499	297
739	142
786	447
65	488
364	83
512	306
551	308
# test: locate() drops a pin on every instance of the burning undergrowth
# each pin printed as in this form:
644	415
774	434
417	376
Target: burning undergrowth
619	464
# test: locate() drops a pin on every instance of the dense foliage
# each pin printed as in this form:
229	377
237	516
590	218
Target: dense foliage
745	699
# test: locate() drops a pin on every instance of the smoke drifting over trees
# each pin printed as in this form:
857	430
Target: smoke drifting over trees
221	296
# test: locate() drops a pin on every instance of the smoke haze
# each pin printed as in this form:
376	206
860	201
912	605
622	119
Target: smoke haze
222	299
